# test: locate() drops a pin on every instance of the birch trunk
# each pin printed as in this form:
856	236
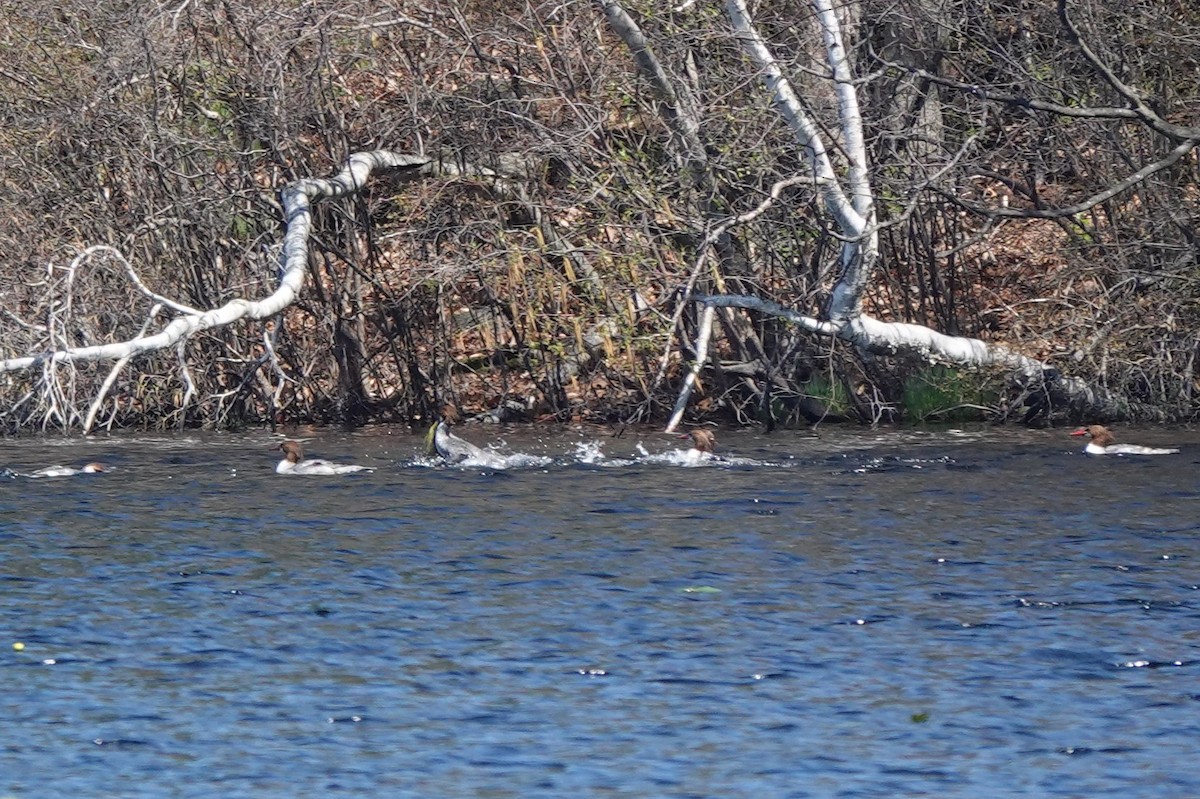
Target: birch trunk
847	196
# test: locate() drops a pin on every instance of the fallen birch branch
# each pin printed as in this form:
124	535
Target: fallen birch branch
297	199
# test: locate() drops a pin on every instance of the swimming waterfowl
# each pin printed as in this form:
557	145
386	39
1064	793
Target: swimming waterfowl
703	441
293	463
1102	439
67	471
452	449
703	445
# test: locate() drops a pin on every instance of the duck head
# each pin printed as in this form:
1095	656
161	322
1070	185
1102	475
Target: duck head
1100	435
292	452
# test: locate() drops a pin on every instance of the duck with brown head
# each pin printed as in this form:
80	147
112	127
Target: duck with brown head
703	440
294	463
68	471
704	444
1102	442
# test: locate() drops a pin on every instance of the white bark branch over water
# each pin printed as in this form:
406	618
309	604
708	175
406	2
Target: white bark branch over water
297	199
508	182
890	338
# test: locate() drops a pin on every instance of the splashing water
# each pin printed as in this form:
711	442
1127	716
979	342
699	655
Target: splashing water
589	451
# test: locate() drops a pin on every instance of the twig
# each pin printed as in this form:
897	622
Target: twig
186	374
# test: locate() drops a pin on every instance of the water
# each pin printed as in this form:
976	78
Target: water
863	614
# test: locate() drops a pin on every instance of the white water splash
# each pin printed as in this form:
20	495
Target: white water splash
590	452
484	459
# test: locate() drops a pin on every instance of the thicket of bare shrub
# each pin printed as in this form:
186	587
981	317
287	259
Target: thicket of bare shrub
165	131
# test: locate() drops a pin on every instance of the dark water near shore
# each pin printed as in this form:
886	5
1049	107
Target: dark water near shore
931	613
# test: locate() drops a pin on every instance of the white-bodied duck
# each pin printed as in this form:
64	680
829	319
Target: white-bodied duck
294	463
1102	439
65	471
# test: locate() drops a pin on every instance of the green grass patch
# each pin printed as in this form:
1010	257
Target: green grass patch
833	394
946	394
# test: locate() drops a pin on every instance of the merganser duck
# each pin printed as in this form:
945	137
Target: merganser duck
452	449
67	471
703	444
1102	443
293	463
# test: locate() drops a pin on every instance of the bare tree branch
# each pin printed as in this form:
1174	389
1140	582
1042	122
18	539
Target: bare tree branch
1172	158
1135	97
802	126
297	201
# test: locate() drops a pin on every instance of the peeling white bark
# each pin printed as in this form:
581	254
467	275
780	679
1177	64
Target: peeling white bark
849	200
702	338
297	200
852	207
891	338
804	128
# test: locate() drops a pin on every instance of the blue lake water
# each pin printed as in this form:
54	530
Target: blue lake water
979	613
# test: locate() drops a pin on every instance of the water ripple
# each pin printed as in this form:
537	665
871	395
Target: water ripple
917	615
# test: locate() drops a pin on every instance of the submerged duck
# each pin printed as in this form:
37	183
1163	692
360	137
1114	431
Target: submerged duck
293	463
1102	443
452	449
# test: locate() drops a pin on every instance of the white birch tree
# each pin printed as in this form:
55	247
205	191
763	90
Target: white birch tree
828	134
848	198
